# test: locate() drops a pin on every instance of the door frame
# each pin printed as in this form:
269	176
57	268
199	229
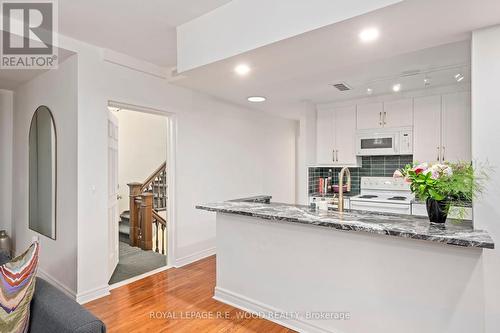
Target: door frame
171	119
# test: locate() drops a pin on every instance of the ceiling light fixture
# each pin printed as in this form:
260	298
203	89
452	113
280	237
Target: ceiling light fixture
256	99
459	77
396	87
242	69
369	35
369	91
427	82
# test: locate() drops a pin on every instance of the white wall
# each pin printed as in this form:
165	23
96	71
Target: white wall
142	148
306	151
56	89
6	115
485	148
223	151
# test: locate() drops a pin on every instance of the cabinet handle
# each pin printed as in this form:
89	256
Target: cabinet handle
333	155
385	118
337	153
438	155
444	151
380	118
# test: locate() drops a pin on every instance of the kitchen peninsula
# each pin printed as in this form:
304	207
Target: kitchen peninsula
325	271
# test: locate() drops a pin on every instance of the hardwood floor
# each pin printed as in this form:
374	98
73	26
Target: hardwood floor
176	300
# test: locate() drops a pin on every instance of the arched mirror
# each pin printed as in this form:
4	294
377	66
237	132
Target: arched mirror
42	173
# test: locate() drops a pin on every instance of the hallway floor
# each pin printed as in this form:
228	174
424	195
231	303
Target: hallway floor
133	262
176	300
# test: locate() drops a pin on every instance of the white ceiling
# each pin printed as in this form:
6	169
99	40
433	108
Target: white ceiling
141	29
303	67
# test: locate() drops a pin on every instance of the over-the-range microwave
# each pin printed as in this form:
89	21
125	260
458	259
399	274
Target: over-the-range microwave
384	141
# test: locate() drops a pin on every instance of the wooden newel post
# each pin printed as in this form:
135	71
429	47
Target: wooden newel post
147	221
134	192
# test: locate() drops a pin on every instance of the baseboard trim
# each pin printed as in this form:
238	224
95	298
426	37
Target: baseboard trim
138	277
194	257
53	281
246	304
92	294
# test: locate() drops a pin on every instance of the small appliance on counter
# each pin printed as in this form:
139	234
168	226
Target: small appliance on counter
330	202
383	194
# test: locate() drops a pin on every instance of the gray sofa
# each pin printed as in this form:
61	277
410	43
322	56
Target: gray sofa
52	311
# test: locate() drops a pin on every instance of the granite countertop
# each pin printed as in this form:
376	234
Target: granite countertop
456	233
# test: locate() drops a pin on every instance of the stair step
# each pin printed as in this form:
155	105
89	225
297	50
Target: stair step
125	216
124	228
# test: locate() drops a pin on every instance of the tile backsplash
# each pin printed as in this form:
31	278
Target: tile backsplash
371	166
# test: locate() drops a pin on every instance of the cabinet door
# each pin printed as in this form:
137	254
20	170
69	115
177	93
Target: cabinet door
398	113
325	137
369	115
456	127
345	135
427	128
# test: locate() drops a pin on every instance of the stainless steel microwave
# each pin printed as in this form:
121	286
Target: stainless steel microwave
384	141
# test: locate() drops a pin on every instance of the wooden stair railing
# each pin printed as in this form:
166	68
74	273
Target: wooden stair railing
161	232
145	199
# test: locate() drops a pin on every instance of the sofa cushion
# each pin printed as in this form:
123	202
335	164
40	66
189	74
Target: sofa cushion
17	285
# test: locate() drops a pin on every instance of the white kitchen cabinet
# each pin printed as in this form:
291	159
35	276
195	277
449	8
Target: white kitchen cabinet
427	128
441	128
369	115
391	114
345	135
336	136
398	113
456	127
325	137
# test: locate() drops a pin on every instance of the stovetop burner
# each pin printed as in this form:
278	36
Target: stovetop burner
368	196
397	198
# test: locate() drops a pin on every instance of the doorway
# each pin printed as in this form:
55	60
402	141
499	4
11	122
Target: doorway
140	192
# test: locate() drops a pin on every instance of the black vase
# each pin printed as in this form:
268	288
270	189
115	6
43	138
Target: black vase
437	210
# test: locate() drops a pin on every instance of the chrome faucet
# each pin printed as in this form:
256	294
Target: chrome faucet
345	170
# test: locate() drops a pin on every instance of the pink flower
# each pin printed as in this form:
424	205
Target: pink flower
420	168
397	174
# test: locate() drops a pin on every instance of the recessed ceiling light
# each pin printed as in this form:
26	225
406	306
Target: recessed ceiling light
256	99
459	77
369	35
369	91
396	87
242	69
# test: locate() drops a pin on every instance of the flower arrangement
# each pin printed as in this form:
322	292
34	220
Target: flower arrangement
439	184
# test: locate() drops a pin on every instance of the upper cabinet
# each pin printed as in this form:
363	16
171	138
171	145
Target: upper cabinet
370	115
325	137
456	127
427	129
442	128
336	136
398	113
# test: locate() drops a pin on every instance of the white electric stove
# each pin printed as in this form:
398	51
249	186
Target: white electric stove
383	194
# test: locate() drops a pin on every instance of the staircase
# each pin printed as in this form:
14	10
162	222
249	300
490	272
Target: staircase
124	227
142	225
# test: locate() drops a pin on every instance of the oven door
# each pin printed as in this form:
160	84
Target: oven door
404	209
377	144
